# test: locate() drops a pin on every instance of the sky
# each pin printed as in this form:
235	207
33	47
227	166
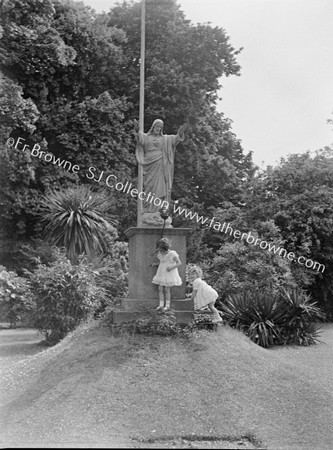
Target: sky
282	100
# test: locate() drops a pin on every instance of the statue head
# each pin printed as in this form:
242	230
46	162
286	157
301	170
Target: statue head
157	127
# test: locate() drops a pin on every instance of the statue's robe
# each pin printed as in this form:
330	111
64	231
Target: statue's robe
156	154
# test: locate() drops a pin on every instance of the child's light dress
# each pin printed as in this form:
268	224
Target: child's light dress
163	277
205	293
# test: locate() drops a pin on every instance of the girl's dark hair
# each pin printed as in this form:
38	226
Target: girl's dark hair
164	244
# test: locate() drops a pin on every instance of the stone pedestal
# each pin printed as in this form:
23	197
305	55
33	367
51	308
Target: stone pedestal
142	253
143	294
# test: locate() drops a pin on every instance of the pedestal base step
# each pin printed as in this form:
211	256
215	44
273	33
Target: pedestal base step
131	304
203	311
207	326
118	317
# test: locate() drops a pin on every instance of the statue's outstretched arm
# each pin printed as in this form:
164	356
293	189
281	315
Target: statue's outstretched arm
181	132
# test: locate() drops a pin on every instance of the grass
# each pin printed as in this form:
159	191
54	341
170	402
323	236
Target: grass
94	389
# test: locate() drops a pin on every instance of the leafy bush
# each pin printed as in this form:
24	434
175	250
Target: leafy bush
65	294
111	274
15	302
238	267
28	255
268	319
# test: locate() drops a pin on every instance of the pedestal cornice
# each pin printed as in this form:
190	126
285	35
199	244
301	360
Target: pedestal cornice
157	231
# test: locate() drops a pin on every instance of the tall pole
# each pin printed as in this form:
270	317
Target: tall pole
142	99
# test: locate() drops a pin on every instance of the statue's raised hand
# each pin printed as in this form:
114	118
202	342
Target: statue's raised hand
181	132
136	126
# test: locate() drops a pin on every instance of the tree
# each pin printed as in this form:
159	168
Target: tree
81	70
298	196
60	55
16	111
17	174
184	64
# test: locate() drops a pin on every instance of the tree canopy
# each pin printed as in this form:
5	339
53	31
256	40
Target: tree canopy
79	72
298	196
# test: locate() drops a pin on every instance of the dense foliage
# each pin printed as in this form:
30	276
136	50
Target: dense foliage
241	266
70	85
298	196
15	302
289	206
26	256
65	295
268	319
76	74
112	273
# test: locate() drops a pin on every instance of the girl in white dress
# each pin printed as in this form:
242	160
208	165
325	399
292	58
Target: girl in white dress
167	273
204	295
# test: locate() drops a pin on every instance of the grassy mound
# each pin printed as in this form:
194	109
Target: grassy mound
97	390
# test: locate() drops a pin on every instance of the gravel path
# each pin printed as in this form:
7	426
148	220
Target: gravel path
17	344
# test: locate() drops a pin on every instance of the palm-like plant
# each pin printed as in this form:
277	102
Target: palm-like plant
300	326
268	319
258	314
76	219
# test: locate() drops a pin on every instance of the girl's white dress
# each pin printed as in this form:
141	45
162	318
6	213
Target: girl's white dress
163	277
205	293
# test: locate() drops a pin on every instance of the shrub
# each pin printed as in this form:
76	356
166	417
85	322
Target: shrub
15	302
238	267
299	326
111	274
257	314
30	254
65	295
18	255
268	319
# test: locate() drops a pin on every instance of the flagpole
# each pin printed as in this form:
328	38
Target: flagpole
142	100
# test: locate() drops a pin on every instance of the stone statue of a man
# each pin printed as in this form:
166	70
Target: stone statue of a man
155	151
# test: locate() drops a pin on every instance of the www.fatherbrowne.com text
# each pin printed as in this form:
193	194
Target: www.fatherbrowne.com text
127	188
226	228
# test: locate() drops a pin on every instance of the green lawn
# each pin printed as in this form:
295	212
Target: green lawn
98	390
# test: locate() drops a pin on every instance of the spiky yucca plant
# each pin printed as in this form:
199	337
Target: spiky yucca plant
76	219
258	314
300	326
284	318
